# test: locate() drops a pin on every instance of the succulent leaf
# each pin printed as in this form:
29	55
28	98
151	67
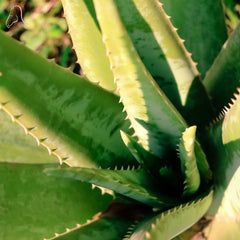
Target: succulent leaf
202	163
128	48
223	77
17	147
171	223
88	43
145	158
34	206
226	168
164	55
143	100
105	228
202	25
225	162
188	161
64	112
136	184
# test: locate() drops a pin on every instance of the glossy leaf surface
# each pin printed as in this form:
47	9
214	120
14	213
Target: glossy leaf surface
202	25
153	117
164	55
223	77
34	206
135	184
64	112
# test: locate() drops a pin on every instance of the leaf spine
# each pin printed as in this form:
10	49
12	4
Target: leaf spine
17	116
161	4
5	103
43	139
147	234
153	226
30	128
13	118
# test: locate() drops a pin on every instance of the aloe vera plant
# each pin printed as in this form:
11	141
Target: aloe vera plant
155	132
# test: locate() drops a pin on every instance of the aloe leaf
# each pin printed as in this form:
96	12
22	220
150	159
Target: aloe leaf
195	232
188	161
163	170
226	222
88	43
145	158
225	72
75	120
202	25
202	163
34	206
196	154
17	147
105	228
136	184
164	55
225	161
171	223
153	117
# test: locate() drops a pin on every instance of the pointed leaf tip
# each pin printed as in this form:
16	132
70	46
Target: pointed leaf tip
188	161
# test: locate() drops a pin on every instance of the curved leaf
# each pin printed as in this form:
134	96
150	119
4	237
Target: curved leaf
188	161
172	222
152	115
17	147
88	43
225	72
165	57
74	119
135	184
105	228
164	171
202	24
34	206
224	155
145	158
